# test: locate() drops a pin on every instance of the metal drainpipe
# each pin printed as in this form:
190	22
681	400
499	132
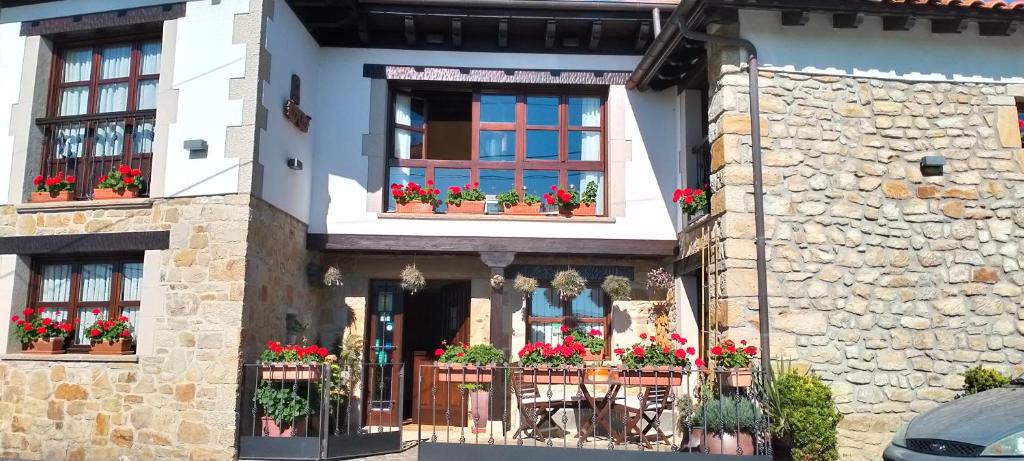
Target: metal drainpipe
656	19
755	145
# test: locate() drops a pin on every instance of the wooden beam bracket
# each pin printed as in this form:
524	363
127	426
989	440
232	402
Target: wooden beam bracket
902	23
997	29
948	26
795	17
847	20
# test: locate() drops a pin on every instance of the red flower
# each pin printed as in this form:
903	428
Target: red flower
619	351
136	172
38	180
743	342
688	199
675	337
128	180
569	339
548	198
460	354
554	188
665	349
47	322
699	363
678	194
41	330
564	329
730	348
70	179
638	351
643	335
439	352
125	333
27	326
123	319
680	354
687	191
716	351
27	312
322	352
750	350
103	178
95	312
454	190
94	332
14	318
595	332
690	350
698	193
124	169
430	182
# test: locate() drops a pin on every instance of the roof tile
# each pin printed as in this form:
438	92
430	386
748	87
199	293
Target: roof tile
989	4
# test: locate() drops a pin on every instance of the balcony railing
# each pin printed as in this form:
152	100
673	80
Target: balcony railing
89	147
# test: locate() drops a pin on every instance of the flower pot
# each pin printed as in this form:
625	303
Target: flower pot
45	197
582	210
653	376
44	346
467	207
592	356
601	375
479	401
111	194
291	372
459	373
116	347
736	377
522	209
741	444
415	208
546	375
269	428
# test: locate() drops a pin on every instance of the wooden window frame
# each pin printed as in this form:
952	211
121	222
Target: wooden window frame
521	164
568	319
115	305
1020	116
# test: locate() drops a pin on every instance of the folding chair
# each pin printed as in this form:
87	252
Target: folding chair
536	408
647	409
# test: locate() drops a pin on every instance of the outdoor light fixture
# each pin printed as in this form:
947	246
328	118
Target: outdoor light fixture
931	165
196	148
295	164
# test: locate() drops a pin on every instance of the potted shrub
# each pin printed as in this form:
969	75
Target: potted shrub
981	379
692	201
736	361
592	341
467	199
38	334
283	407
544	363
412	279
110	337
571	203
118	183
464	363
414	199
524	285
617	288
804	418
58	188
725	426
569	283
647	363
292	362
511	205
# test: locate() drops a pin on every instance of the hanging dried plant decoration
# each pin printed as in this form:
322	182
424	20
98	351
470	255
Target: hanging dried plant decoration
617	287
332	277
659	279
569	283
524	284
412	279
497	281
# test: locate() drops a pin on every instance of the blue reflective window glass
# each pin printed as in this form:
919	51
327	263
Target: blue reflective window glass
493	182
542	110
541	145
497	108
497	146
447	177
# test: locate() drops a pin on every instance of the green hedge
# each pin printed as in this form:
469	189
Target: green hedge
980	379
806	415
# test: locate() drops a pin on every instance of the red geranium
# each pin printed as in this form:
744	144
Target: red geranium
727	355
412	192
278	353
36	327
105	330
692	201
54	184
121	178
649	352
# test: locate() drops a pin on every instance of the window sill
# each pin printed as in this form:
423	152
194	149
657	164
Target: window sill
553	218
700	221
20	357
82	205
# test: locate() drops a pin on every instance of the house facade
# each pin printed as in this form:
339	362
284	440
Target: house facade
268	134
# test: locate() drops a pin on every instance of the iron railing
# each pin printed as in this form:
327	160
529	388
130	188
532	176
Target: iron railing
89	147
333	413
597	412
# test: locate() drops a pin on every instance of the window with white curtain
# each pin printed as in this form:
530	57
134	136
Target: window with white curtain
75	290
521	140
548	312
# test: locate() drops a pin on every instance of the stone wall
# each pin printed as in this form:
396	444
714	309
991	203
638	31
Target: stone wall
178	401
886	283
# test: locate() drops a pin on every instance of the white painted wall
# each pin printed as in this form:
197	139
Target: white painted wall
292	51
205	61
340	169
868	51
73	7
12	51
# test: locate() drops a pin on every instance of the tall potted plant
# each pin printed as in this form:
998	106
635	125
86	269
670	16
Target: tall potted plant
544	363
647	363
110	337
57	188
725	426
511	205
734	363
121	182
38	334
412	198
467	200
464	363
283	407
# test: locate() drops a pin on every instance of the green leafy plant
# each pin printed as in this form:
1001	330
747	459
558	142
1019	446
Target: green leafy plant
617	287
592	340
121	179
55	184
462	353
728	355
511	198
727	415
692	201
412	279
525	285
569	283
647	352
981	379
804	413
35	327
563	198
282	403
470	193
589	196
109	330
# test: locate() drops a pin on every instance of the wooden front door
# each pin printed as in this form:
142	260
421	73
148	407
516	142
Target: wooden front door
440	316
382	388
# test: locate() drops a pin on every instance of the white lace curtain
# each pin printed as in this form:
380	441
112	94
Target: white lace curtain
403	116
591	117
598	178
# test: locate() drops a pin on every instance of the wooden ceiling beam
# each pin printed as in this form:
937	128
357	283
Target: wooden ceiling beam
795	17
549	34
363	30
903	23
595	35
503	33
847	20
457	32
410	31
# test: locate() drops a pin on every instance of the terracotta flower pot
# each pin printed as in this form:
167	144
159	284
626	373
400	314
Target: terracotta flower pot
653	376
592	357
582	210
117	347
459	373
44	346
45	197
741	444
415	207
269	428
467	207
479	401
736	377
522	209
291	372
111	194
543	374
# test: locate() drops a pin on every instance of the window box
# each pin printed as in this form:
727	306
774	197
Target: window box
653	376
543	374
119	347
292	371
522	209
458	373
44	346
582	210
415	208
467	207
47	197
111	194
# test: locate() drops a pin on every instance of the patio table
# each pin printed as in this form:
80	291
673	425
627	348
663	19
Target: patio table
601	405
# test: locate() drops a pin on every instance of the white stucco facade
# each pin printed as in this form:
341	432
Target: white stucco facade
12	48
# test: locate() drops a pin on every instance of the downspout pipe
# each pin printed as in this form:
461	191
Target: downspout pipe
755	145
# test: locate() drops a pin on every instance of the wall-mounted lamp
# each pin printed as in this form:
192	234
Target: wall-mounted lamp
295	164
931	165
196	148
